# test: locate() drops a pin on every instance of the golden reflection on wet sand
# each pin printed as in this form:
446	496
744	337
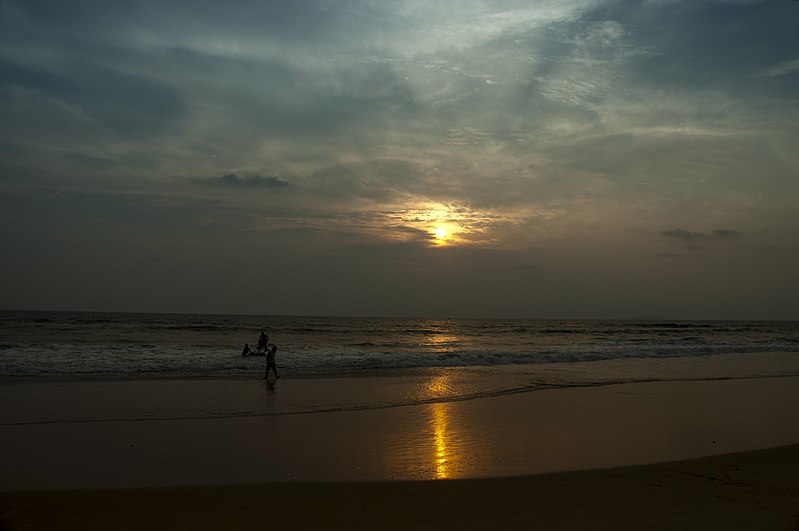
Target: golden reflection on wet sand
445	456
445	448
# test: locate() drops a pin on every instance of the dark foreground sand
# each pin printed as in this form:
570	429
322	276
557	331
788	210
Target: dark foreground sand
558	459
755	490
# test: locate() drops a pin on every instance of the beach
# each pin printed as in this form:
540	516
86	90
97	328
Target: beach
405	265
756	490
678	454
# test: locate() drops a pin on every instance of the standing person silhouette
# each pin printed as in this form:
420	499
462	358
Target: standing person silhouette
263	340
270	362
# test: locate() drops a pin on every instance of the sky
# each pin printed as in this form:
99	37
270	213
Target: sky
492	158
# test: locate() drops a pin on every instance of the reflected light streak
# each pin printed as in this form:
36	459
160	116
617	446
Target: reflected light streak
444	458
439	387
441	342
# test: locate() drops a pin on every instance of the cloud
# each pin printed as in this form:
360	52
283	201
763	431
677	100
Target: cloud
726	233
782	69
232	180
688	236
129	104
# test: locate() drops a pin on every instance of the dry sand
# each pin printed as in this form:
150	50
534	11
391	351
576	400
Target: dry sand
757	490
495	457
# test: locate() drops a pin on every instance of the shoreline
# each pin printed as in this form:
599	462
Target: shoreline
361	373
775	360
749	490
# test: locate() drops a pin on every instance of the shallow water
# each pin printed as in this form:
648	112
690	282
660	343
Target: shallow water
57	400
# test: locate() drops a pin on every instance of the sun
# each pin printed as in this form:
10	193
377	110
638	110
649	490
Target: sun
443	235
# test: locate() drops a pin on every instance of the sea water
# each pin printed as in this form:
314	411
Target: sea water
78	344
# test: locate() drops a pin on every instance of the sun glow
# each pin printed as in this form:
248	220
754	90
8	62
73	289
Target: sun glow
445	224
446	232
441	235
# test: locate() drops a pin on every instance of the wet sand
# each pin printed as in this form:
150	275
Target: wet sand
547	458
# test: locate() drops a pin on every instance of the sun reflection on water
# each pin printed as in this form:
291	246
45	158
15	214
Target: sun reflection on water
442	341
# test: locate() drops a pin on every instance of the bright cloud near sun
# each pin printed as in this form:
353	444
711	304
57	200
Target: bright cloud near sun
446	224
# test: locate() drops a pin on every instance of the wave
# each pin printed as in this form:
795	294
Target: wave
159	360
163	344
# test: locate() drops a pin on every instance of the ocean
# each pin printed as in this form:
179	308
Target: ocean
131	345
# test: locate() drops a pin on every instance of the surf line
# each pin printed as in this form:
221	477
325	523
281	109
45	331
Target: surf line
254	414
